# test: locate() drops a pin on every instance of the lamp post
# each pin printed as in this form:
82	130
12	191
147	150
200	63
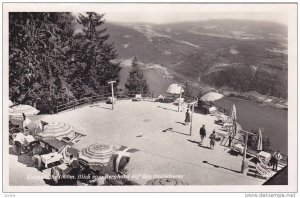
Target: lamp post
179	98
243	168
193	106
112	93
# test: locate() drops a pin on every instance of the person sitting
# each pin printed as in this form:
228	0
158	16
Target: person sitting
36	153
55	175
98	179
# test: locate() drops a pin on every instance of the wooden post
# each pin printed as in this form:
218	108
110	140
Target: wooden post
112	93
245	150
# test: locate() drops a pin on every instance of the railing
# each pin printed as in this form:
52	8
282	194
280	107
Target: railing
119	95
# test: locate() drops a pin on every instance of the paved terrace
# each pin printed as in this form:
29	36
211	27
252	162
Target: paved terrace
171	152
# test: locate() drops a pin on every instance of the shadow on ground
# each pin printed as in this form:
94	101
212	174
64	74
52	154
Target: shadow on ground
217	166
199	144
25	159
166	109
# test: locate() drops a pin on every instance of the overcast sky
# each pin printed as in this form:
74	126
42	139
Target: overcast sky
170	13
172	17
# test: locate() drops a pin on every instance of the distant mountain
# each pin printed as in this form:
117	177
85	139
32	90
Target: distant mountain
238	55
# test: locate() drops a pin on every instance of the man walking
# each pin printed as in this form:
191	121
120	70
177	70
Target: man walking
277	156
202	133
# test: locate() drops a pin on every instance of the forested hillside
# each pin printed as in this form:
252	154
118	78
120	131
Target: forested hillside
239	55
49	63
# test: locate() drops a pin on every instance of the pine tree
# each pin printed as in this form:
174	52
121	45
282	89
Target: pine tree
37	57
93	65
136	82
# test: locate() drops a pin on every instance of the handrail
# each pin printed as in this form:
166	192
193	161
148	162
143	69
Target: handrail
125	94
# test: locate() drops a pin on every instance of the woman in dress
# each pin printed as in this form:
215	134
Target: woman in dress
187	117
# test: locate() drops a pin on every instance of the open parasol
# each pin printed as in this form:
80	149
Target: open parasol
211	96
165	182
10	103
96	154
16	113
175	89
55	130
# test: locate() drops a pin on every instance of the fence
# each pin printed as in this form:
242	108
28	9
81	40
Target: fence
119	95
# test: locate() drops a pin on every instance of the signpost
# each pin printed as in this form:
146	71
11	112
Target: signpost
112	93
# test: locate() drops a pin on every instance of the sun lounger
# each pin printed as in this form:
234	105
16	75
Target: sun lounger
238	148
138	97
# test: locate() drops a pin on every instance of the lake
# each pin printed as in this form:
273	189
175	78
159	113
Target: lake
249	113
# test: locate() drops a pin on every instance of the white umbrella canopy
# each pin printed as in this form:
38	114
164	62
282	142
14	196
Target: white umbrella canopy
10	103
97	154
175	89
55	130
259	142
212	96
16	113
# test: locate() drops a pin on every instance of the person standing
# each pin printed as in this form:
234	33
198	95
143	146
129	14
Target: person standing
202	133
187	117
277	156
212	139
230	138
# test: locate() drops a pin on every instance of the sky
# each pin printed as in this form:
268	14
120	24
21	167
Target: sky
171	17
171	13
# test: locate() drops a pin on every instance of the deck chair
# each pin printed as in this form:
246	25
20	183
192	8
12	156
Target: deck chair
263	170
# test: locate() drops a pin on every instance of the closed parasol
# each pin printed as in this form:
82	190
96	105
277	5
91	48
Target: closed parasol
16	113
97	154
233	115
55	130
175	89
211	96
165	182
259	141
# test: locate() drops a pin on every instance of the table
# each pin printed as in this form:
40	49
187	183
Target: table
51	158
239	148
264	155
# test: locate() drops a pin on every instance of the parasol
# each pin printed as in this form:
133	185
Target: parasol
259	142
10	103
175	89
233	115
97	154
55	130
165	182
16	113
211	96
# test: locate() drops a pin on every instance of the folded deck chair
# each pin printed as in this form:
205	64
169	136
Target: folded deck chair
263	169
